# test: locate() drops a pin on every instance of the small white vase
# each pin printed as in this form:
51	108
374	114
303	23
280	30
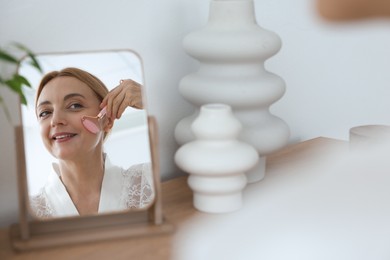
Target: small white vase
216	160
365	138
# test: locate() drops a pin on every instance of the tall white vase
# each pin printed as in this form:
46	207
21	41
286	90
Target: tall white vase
232	50
216	160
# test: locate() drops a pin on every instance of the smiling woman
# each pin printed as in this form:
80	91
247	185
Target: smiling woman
84	181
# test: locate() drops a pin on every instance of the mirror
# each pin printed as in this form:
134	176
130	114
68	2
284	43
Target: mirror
129	191
126	145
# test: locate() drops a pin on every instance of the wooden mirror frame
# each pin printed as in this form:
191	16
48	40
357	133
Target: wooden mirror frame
30	233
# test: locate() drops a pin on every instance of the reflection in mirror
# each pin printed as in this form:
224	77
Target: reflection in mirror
72	169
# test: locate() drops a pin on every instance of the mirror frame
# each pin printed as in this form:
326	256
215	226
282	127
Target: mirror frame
30	233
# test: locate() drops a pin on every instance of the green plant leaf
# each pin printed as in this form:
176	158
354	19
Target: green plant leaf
23	99
22	80
17	81
7	57
34	62
16	84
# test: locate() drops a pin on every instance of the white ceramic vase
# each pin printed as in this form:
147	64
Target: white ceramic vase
216	160
231	50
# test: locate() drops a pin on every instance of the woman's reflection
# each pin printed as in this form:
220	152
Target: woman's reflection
83	181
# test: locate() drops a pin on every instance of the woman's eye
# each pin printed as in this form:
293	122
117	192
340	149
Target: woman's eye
75	106
43	114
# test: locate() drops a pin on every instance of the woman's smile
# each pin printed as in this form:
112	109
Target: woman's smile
63	137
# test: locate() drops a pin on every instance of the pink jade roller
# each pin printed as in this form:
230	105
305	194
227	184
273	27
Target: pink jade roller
91	123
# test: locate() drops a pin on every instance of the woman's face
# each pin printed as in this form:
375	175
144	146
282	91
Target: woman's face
60	107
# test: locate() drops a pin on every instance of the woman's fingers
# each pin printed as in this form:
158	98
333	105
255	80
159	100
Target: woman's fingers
124	104
128	93
109	100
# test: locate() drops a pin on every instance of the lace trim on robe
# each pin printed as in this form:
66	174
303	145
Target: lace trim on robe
137	191
40	206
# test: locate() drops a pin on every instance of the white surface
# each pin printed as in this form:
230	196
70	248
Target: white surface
323	207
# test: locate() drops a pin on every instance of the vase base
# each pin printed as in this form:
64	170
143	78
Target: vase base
258	172
218	203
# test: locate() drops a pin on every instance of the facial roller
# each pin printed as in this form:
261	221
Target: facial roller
91	123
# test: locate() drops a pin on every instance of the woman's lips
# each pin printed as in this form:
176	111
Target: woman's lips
62	137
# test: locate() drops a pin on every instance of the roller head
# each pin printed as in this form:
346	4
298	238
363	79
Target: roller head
90	125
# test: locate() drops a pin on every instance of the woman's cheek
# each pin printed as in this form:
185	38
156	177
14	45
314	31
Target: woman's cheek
45	135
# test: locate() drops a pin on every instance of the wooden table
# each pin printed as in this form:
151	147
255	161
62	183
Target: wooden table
177	207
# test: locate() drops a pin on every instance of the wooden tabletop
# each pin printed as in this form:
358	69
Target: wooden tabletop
177	207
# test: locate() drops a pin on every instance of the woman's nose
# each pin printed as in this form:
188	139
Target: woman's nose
57	118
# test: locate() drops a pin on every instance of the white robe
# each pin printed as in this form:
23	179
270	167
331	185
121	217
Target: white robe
121	189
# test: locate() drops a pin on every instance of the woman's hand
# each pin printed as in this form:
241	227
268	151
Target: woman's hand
128	93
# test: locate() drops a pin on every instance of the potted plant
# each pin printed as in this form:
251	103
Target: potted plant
14	81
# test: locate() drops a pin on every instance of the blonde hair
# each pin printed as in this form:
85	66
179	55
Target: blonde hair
90	80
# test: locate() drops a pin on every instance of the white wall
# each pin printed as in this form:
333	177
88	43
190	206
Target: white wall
336	75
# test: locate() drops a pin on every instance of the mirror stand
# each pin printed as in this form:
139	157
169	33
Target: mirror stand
31	234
